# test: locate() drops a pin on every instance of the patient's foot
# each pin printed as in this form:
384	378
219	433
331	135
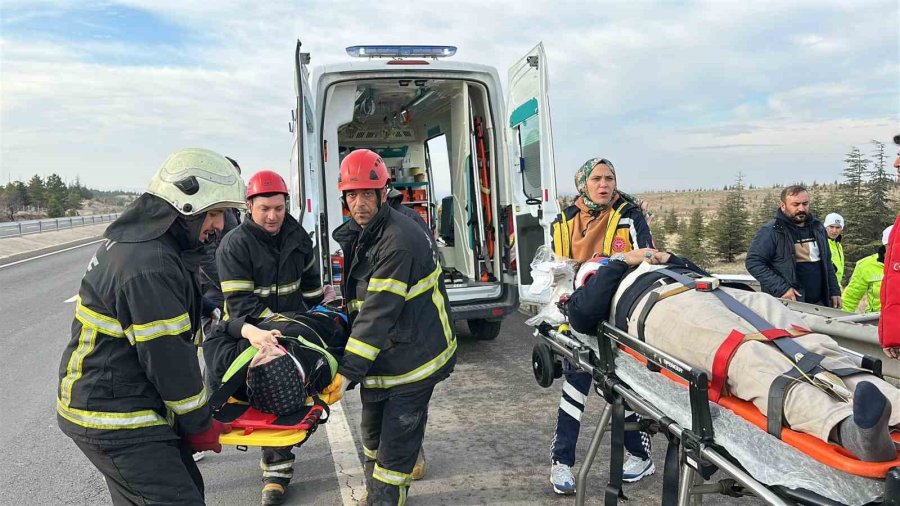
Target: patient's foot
866	433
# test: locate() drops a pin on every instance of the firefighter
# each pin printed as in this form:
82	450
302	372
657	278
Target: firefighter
401	340
131	395
268	265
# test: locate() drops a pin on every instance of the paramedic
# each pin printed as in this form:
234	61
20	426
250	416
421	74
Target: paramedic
889	324
866	279
131	394
268	265
858	415
790	256
401	341
602	221
834	227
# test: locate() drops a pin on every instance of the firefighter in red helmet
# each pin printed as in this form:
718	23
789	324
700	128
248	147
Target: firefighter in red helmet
401	341
268	265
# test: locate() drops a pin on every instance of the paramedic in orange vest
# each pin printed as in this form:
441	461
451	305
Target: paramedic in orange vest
602	222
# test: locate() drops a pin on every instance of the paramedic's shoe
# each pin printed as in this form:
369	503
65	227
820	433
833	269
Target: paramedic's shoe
272	494
635	468
198	456
562	479
418	471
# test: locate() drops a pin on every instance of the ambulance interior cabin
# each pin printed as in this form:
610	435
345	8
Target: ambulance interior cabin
423	129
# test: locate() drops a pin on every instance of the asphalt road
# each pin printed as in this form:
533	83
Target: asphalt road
487	442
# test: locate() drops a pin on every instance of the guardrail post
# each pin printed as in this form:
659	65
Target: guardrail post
20	227
40	226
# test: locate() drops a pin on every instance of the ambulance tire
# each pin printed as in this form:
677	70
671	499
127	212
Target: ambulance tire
484	330
542	364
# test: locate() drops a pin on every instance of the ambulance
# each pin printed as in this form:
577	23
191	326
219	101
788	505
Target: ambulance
477	165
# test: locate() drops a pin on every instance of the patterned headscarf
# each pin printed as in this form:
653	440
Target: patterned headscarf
581	178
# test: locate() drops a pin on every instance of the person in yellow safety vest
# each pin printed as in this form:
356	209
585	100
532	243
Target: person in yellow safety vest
401	340
834	227
603	221
866	279
130	394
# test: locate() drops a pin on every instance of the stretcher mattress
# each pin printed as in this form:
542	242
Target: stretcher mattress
766	458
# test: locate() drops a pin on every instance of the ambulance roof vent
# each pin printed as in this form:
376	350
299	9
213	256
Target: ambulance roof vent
401	51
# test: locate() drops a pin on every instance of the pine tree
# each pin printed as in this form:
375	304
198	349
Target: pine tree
765	211
54	209
730	228
825	202
879	214
691	243
658	232
853	198
36	195
55	188
670	221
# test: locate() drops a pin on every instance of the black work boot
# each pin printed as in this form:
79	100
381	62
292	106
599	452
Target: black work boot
273	493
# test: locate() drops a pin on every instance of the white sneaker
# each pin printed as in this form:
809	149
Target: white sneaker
635	468
198	456
562	479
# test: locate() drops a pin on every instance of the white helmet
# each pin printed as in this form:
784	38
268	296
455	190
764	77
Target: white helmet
196	180
588	269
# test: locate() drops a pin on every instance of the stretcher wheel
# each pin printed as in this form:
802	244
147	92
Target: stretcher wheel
542	365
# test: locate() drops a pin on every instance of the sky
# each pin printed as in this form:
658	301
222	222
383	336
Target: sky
678	95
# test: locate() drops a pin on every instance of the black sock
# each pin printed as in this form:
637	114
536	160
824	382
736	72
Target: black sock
866	434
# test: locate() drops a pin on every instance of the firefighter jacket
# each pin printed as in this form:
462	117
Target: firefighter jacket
627	229
263	273
130	371
401	337
865	280
837	258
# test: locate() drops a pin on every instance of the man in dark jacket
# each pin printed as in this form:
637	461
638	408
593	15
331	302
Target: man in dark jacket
790	256
402	341
130	394
268	265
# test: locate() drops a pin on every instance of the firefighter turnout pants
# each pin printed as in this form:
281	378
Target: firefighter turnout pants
393	430
277	465
152	472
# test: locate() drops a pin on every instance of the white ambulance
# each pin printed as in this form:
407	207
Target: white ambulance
476	165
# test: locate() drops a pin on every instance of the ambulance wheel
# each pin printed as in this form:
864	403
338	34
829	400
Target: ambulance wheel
542	364
484	330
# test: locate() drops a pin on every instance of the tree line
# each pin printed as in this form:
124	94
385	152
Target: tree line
51	196
862	198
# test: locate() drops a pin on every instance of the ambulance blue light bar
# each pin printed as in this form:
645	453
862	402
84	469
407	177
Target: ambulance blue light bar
401	51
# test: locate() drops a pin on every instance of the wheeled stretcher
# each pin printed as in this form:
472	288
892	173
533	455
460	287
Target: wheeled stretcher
728	437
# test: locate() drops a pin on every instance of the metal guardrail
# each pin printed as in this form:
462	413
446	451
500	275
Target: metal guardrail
19	228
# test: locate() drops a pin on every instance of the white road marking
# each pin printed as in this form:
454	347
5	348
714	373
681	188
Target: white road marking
72	298
51	253
347	466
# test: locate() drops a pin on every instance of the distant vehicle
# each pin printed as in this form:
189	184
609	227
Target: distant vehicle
477	166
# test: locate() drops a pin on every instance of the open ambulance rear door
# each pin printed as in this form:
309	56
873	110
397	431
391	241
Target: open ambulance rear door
533	178
305	182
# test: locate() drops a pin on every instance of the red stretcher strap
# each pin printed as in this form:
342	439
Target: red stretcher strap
721	361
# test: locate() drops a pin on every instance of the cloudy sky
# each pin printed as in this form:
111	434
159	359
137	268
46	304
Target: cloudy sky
678	95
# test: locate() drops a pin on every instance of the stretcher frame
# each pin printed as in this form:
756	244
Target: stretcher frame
697	453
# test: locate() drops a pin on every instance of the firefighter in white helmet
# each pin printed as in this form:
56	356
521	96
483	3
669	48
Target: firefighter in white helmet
131	395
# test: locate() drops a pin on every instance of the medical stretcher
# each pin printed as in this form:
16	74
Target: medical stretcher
703	437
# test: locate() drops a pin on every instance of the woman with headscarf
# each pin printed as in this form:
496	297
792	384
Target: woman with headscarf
602	222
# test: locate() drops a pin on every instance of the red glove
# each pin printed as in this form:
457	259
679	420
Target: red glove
209	439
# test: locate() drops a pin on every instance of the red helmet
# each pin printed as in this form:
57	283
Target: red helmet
363	169
266	181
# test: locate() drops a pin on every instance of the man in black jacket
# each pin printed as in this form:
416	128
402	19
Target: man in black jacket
130	393
402	341
268	265
790	256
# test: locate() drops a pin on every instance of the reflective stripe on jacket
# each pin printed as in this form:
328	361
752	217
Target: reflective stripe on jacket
130	370
866	280
402	335
263	274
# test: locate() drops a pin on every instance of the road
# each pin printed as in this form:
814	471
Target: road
487	442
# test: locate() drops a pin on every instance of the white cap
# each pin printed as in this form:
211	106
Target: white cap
834	219
886	235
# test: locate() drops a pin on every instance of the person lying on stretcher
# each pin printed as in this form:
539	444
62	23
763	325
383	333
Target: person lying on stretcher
834	399
314	341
